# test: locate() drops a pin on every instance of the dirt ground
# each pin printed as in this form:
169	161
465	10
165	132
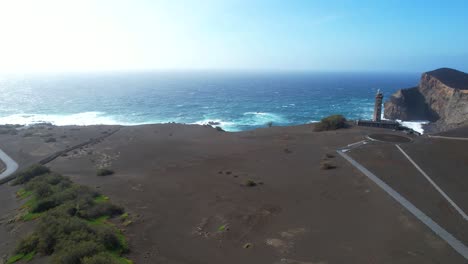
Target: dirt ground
185	187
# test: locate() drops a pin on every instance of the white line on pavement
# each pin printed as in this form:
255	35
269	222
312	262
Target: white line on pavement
10	164
459	210
441	232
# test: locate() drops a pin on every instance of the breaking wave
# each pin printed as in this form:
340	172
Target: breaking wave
80	119
415	125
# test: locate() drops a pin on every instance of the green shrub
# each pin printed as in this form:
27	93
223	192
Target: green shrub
107	237
67	228
104	172
27	245
43	205
43	190
332	122
101	258
72	253
30	173
250	183
50	140
102	209
325	165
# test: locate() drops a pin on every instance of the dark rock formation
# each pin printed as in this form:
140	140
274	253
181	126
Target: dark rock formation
441	97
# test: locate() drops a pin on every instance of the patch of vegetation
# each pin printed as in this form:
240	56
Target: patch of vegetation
220	129
125	218
326	165
104	172
72	223
247	245
101	199
332	122
50	140
18	257
28	134
29	173
23	194
222	228
250	183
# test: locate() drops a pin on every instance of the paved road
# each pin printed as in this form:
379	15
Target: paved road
457	245
10	164
453	138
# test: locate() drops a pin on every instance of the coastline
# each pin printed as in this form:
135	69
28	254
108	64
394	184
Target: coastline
182	183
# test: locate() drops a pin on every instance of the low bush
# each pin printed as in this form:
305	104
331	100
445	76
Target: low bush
71	226
29	173
101	209
73	253
104	172
101	258
50	140
332	122
250	183
326	165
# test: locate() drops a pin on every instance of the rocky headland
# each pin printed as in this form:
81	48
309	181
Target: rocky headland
441	98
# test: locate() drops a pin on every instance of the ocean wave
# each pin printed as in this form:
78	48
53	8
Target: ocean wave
259	119
214	122
248	119
80	119
416	125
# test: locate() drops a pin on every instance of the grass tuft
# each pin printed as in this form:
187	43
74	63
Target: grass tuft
104	172
250	183
326	165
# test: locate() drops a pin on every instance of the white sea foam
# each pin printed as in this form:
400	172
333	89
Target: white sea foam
415	125
81	119
228	126
249	119
259	119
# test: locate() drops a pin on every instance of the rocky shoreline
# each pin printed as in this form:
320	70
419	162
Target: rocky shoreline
441	98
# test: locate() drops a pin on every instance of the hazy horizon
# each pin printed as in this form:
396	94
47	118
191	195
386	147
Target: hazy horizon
233	35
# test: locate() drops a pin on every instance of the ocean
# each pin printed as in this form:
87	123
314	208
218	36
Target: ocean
236	100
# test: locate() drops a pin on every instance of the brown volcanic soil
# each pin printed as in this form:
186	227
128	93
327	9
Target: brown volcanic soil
184	187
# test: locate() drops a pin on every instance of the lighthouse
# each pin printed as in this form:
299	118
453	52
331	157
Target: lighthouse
378	106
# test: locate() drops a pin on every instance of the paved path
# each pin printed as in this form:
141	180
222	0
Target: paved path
10	164
453	138
454	205
456	244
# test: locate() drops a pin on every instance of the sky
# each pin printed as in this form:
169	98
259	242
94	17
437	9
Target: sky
293	35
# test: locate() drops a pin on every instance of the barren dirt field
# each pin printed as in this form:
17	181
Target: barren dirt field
197	195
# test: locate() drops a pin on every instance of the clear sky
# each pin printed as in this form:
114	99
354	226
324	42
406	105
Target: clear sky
364	35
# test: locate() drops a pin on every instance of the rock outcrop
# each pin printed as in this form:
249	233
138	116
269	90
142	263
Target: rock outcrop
441	97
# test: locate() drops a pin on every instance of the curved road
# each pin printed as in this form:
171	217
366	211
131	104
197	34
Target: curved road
10	164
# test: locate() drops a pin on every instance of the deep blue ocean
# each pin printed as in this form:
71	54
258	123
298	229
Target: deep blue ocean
238	101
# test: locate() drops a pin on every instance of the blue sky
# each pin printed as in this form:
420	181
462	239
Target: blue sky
365	35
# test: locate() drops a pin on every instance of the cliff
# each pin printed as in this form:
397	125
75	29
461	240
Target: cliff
441	97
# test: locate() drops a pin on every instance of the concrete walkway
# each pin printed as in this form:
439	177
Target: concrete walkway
452	138
10	164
